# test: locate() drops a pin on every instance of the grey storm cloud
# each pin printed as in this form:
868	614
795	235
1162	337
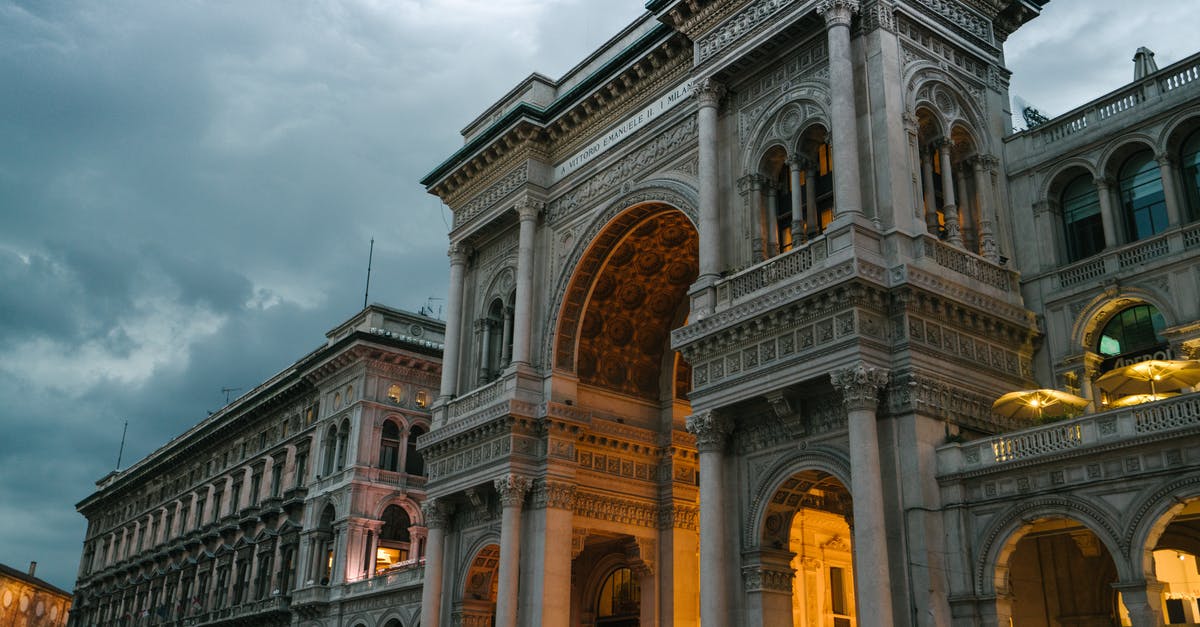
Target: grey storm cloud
187	192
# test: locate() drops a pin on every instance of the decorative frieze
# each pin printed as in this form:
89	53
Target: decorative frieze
616	465
962	20
613	509
499	190
633	166
738	27
676	516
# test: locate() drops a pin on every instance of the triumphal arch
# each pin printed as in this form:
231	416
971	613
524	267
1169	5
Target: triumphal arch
729	305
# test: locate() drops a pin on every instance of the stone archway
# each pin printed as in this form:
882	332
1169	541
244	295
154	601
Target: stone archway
477	605
627	293
802	572
1056	571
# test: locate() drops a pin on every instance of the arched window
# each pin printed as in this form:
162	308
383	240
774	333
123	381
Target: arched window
1142	199
394	541
1189	162
620	599
343	442
1135	329
389	447
1082	223
330	451
414	464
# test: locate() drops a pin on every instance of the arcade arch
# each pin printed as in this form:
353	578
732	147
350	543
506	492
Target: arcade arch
627	293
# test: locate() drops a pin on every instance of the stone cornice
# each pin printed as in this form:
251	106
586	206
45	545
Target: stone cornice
694	18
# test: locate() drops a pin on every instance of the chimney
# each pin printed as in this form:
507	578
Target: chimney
32	568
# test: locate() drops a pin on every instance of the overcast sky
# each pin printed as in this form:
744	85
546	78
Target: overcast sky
188	188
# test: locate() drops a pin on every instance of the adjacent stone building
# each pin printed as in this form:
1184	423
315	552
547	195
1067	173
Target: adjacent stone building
729	305
298	503
26	601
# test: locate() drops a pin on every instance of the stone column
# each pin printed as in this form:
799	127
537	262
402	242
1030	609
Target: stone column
512	489
949	207
758	243
860	386
506	342
770	217
996	612
1108	219
931	221
1166	168
458	263
843	115
798	235
984	166
1143	599
711	431
551	521
813	218
708	95
966	209
437	519
527	211
485	352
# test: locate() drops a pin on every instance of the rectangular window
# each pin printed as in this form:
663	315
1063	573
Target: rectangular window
235	497
255	487
276	478
301	467
837	590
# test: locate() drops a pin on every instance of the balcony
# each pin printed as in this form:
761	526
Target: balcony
1126	260
404	575
274	610
1140	424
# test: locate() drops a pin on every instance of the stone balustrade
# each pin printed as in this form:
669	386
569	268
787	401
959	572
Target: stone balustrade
1166	418
1177	81
1128	258
769	274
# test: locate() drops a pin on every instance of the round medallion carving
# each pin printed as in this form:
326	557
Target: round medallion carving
619	331
605	285
679	273
622	255
614	372
631	296
648	263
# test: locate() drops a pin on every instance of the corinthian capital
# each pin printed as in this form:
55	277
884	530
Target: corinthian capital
528	209
709	93
554	495
859	385
837	12
436	513
512	489
711	430
457	253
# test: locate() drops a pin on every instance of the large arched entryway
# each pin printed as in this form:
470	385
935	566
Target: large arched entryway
1057	572
477	605
613	360
806	530
1170	563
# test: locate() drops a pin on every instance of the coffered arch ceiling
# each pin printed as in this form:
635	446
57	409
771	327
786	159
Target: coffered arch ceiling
629	290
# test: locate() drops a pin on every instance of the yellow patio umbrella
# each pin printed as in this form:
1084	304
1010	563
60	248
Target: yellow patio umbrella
1138	399
1032	403
1151	377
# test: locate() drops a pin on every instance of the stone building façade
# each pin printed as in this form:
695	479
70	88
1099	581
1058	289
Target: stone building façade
298	503
730	302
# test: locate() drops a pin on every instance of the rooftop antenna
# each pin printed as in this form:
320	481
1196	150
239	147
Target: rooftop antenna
370	256
121	451
227	391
